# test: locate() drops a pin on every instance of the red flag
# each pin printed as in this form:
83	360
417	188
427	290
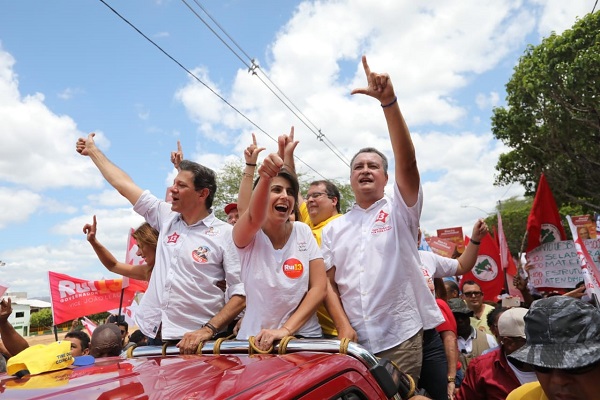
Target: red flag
89	325
3	288
488	270
73	298
508	264
131	256
543	224
589	269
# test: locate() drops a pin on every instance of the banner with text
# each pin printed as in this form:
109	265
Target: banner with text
557	265
74	298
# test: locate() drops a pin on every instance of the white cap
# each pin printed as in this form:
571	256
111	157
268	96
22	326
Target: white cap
511	322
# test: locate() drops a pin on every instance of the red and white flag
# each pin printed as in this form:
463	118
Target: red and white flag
506	259
589	269
544	224
131	256
89	325
487	271
3	288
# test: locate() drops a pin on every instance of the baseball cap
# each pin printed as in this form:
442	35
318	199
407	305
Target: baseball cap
562	333
511	322
41	358
229	207
459	307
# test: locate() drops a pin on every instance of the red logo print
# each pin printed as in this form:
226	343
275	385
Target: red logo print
173	238
382	216
293	268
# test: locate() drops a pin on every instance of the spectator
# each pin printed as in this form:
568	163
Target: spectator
492	376
231	210
282	266
370	251
471	342
492	321
452	289
80	343
563	347
124	328
106	341
194	252
12	341
473	296
146	238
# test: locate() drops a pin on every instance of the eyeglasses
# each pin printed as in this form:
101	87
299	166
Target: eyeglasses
472	294
570	371
315	195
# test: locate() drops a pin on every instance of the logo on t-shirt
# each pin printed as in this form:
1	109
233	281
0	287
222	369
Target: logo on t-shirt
200	254
211	231
302	246
382	216
380	224
172	238
293	268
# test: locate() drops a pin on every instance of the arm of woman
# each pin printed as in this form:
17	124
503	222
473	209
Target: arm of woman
317	286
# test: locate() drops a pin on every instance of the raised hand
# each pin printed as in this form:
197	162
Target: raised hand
271	165
287	145
90	230
251	153
378	86
480	229
5	309
83	146
177	156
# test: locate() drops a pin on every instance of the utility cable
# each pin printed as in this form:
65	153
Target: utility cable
201	82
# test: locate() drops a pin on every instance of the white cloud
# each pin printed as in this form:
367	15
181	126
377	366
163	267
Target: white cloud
488	101
18	205
557	15
69	93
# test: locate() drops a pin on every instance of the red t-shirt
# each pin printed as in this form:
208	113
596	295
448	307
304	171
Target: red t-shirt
450	322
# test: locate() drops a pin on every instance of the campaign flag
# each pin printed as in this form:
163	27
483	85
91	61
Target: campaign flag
131	256
544	224
3	288
487	271
589	269
89	325
506	259
73	298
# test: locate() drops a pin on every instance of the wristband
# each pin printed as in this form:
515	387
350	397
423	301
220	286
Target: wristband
475	242
390	104
211	327
451	379
251	165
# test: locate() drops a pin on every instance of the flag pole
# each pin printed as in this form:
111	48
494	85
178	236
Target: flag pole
120	304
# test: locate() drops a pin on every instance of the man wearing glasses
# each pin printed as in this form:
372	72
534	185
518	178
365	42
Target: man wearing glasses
563	347
321	206
473	296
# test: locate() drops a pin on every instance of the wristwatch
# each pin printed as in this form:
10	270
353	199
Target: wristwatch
451	379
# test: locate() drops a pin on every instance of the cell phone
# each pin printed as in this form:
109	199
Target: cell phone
511	302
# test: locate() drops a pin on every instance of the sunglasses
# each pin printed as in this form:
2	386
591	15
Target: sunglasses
472	294
315	195
570	371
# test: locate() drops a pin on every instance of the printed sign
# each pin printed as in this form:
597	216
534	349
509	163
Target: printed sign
454	235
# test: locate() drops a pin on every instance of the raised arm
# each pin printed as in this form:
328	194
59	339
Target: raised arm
252	220
251	157
379	86
141	272
113	174
13	342
467	259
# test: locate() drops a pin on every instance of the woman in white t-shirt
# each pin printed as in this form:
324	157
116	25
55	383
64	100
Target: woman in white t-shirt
282	267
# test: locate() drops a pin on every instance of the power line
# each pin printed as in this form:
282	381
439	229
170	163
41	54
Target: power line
253	67
201	82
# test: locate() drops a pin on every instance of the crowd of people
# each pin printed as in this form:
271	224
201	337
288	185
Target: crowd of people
288	264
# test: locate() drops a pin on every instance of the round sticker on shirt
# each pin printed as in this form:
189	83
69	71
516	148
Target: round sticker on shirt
293	268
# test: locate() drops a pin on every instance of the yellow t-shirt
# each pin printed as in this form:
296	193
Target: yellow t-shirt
324	318
528	391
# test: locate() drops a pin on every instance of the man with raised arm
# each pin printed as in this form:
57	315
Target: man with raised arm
195	251
370	251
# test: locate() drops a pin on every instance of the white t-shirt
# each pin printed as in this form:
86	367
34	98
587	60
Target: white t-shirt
276	281
190	260
378	273
467	344
436	266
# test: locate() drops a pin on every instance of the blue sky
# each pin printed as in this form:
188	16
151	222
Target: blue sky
69	68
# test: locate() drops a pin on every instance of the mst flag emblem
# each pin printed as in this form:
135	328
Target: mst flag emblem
549	233
486	269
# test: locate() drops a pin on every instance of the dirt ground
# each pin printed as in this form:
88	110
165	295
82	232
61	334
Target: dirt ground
44	339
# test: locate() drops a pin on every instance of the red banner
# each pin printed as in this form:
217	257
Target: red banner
487	271
544	224
74	298
441	247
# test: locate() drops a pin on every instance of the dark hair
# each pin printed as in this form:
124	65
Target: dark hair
493	314
83	337
331	190
469	283
453	285
293	180
204	178
123	323
136	337
372	150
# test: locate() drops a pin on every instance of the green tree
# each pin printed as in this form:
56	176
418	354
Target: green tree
552	118
41	319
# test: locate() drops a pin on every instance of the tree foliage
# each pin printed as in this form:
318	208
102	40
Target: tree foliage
230	176
41	319
552	121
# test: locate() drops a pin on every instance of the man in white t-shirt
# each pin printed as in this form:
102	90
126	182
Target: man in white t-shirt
195	251
370	251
